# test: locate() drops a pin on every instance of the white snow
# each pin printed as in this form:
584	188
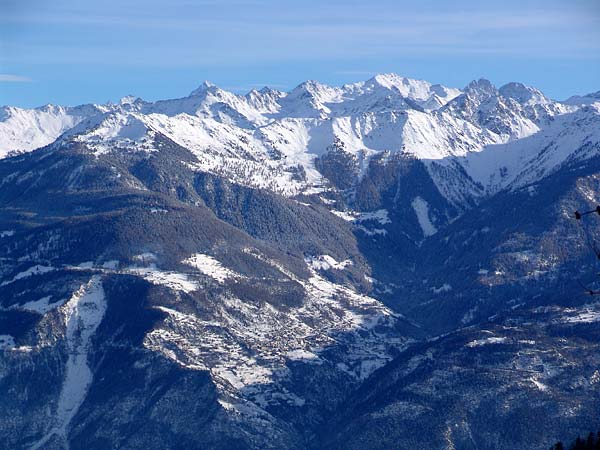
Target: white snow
584	316
541	386
173	280
380	216
41	306
24	130
146	258
487	341
211	267
421	208
34	270
301	355
372	231
118	126
443	288
82	315
348	216
525	161
326	262
147	270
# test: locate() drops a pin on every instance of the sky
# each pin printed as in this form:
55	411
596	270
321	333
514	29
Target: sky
81	51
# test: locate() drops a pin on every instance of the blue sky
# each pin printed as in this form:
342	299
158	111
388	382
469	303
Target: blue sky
79	51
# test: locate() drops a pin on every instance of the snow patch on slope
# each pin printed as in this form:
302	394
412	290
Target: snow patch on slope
326	262
487	341
421	208
586	315
41	306
82	315
211	267
380	216
38	269
23	130
173	280
117	129
568	137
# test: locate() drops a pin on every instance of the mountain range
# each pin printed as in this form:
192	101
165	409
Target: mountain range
386	264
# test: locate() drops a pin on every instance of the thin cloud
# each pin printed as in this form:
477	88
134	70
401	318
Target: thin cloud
10	78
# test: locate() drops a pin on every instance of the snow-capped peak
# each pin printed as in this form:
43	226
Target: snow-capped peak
310	100
313	87
523	94
203	88
482	87
264	100
422	93
516	110
407	87
314	91
117	129
129	100
391	80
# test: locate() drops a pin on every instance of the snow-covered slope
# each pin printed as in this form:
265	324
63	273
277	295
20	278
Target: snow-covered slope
23	130
569	137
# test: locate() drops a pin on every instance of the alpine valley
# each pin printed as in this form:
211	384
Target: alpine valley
390	264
